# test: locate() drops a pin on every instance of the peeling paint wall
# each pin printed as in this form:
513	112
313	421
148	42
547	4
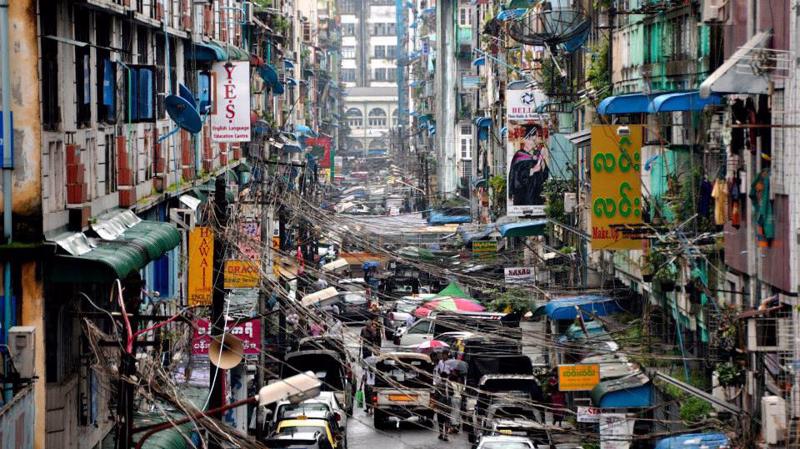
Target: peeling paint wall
24	51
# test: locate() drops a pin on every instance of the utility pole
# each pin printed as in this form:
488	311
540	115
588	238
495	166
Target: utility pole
217	380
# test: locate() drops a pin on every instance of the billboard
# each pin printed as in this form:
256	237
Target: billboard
527	155
519	275
230	115
616	184
201	257
241	274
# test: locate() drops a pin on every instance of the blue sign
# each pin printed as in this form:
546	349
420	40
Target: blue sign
3	144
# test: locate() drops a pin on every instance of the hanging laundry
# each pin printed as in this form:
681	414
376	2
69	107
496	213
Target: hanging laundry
720	195
762	208
704	198
734	202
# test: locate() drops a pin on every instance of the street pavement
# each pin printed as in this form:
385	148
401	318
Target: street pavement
362	434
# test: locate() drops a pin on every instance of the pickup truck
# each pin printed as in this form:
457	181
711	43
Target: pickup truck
403	389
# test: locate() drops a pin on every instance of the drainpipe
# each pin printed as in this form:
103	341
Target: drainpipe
8	166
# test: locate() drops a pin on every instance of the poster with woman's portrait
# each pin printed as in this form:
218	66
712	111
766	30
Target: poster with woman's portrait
527	155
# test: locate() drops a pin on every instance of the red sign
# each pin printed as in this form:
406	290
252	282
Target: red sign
247	331
325	144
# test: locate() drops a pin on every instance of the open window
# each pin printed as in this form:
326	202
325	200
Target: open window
139	94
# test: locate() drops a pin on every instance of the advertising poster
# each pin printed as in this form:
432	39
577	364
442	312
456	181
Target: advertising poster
519	275
230	116
247	331
578	377
250	240
201	256
484	248
527	155
616	184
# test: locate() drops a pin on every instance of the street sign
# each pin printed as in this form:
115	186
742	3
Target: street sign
578	377
589	414
201	256
3	144
519	275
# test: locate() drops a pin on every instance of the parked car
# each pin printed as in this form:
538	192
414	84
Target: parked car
318	407
511	418
500	388
329	367
399	312
438	323
303	433
403	388
505	442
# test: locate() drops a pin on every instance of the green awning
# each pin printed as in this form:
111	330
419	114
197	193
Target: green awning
453	290
237	54
107	260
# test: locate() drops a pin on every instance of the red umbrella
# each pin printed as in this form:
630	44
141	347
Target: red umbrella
431	345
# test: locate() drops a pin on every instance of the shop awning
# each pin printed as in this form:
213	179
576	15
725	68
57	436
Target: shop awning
483	122
90	260
288	64
477	62
632	391
305	130
269	75
737	74
580	137
567	308
711	440
235	53
205	52
523	228
682	101
291	82
625	104
316	297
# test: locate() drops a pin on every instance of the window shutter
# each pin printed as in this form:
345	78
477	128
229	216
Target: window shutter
145	94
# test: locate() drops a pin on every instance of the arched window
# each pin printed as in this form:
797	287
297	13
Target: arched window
355	119
377	118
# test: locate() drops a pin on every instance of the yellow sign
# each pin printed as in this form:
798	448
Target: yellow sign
616	184
201	256
578	377
241	274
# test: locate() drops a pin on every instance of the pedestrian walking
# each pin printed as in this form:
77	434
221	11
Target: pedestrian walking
443	408
558	402
367	384
370	339
457	385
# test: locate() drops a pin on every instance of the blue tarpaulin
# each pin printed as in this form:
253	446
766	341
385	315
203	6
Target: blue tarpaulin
565	308
695	441
625	104
438	218
523	228
633	391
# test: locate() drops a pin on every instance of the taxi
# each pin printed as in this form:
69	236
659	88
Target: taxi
289	427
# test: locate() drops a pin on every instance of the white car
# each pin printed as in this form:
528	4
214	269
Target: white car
504	442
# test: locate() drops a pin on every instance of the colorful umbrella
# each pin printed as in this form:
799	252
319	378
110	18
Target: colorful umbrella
431	345
454	304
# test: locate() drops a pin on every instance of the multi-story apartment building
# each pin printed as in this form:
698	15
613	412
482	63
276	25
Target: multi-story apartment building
369	72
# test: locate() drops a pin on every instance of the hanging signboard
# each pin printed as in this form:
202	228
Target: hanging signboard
527	154
201	255
241	274
589	414
616	184
230	117
519	275
248	331
578	377
615	431
484	248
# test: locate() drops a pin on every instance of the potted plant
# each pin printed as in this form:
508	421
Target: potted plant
653	261
729	374
665	277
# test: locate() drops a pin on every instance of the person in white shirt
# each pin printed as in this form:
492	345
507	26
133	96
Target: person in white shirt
410	320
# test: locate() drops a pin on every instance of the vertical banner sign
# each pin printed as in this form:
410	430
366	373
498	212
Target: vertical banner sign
527	154
616	184
201	254
615	431
230	119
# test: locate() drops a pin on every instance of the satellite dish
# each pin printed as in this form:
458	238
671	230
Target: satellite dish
183	113
187	95
225	351
557	27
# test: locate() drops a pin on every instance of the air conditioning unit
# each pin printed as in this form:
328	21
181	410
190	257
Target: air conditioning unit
22	348
773	419
715	11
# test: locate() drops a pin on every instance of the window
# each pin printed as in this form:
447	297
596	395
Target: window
161	81
140	87
391	52
106	71
379	74
355	119
377	117
110	169
420	328
465	149
349	75
347	6
466	169
463	17
50	80
380	51
83	70
348	29
348	52
391	74
466	130
391	30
